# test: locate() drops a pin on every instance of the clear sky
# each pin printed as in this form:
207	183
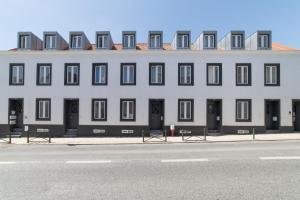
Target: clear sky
280	16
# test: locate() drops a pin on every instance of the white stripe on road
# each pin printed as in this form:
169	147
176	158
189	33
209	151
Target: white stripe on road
7	163
280	158
185	160
87	161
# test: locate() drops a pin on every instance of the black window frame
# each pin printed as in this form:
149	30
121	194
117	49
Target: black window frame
10	74
160	41
163	74
94	65
65	74
38	74
278	74
121	75
105	115
249	74
192	110
97	40
269	41
192	74
45	42
37	118
242	41
220	74
215	40
134	109
189	40
249	110
123	40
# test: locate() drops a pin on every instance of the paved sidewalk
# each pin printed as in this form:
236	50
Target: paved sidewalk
139	140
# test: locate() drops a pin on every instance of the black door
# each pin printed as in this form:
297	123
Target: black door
272	114
16	114
156	114
214	115
296	115
71	114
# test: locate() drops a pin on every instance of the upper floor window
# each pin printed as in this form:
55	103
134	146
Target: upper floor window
243	110
209	41
24	41
16	74
237	41
214	74
185	109
243	74
43	109
44	74
263	41
127	110
156	74
129	41
183	41
100	74
128	74
102	41
72	74
272	74
99	109
185	74
155	41
50	42
76	41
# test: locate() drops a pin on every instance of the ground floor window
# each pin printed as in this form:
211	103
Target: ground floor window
243	110
99	109
127	107
43	109
185	110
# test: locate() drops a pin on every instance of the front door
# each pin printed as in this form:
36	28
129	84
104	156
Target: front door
272	114
296	115
16	114
71	114
214	115
156	114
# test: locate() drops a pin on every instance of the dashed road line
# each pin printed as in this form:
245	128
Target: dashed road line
280	158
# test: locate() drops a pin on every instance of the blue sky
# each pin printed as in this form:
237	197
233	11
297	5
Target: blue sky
280	16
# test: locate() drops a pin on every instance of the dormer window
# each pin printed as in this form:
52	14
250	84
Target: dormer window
263	41
24	42
183	41
50	42
155	41
76	42
209	41
237	41
129	41
102	41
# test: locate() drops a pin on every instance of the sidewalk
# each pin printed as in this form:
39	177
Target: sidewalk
139	140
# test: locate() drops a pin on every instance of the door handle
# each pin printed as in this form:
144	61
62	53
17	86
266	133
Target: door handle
161	118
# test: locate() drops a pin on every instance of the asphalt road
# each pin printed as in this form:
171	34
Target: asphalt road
242	170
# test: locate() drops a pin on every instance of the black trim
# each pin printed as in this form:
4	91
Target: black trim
10	73
134	109
37	109
163	73
220	74
72	64
94	65
279	112
105	114
38	74
192	110
249	74
249	110
121	74
278	73
192	74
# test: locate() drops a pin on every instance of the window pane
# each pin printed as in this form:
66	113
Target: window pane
41	109
96	109
131	74
212	41
268	75
181	110
20	75
274	75
216	75
239	75
46	109
130	109
124	110
102	109
188	110
246	107
153	70
182	74
245	69
239	110
211	75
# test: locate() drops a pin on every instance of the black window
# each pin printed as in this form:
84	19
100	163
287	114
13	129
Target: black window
156	74
129	41
209	41
214	74
185	73
155	41
128	74
237	41
264	41
99	109
76	41
183	41
72	73
43	109
185	110
243	110
99	74
50	42
272	74
102	41
44	72
243	74
24	41
16	76
127	109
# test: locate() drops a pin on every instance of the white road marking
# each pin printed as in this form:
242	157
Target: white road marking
185	160
280	158
87	161
7	163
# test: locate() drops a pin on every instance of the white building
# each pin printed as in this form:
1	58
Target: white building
110	89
